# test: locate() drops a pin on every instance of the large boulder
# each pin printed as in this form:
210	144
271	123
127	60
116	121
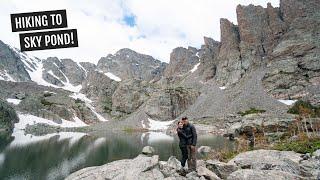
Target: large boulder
260	123
202	171
171	167
223	170
286	161
249	174
148	150
141	167
316	154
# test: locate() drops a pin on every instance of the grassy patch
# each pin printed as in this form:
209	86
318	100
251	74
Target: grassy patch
305	109
251	111
305	145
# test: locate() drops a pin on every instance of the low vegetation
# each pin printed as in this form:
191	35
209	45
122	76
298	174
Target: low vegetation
305	109
302	136
251	111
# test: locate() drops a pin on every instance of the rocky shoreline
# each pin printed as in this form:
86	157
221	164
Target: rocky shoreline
251	165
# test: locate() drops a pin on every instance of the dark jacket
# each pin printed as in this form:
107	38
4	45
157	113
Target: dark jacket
183	138
190	130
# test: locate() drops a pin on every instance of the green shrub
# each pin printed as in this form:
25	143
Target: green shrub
251	111
304	108
299	146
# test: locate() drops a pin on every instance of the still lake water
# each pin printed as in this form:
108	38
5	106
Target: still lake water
56	156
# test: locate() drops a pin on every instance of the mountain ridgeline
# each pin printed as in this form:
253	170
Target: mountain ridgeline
272	54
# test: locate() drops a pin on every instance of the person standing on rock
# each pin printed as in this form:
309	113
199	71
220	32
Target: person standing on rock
183	140
191	132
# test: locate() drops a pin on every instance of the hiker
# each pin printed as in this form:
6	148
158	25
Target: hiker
183	139
190	130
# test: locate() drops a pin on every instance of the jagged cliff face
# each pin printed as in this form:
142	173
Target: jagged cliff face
293	66
283	41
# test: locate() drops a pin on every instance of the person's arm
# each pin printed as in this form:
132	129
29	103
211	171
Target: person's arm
194	135
183	134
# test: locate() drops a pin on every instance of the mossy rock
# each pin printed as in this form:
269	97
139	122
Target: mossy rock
251	111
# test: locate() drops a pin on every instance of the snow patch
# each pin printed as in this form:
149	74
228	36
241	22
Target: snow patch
158	125
14	101
287	102
195	68
6	77
112	76
22	139
81	97
36	72
143	125
25	119
85	71
52	74
223	87
88	104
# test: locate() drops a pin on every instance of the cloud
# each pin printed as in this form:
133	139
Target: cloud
152	27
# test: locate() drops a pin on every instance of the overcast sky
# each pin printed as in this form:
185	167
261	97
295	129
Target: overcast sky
151	27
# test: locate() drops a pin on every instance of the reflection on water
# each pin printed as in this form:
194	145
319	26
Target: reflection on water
56	156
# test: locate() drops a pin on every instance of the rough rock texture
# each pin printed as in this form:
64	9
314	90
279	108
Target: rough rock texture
59	71
252	165
229	69
208	52
50	103
203	171
99	88
293	69
182	60
249	174
8	117
11	67
223	170
129	96
261	123
148	150
169	103
141	167
286	161
128	64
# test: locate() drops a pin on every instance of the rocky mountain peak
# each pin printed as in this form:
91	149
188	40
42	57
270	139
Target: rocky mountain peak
128	64
182	60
